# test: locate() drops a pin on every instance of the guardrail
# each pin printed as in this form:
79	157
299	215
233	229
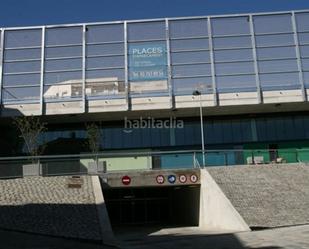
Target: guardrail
49	165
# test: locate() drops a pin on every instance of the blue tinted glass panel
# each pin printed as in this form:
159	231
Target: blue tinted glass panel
283	81
232	42
155	137
115	74
272	23
236	83
63	36
146	31
191	70
302	21
303	38
261	129
105	49
62	77
19	67
63	64
208	128
22	54
104	86
305	64
233	55
188	28
18	94
298	126
191	44
21	79
306	78
105	33
276	53
66	91
277	66
237	131
304	51
230	26
188	85
234	68
274	40
23	38
190	57
60	52
227	131
105	62
177	161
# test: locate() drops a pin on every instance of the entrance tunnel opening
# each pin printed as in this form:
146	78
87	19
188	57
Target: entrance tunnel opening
174	206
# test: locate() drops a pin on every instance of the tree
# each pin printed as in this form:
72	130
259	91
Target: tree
93	134
31	129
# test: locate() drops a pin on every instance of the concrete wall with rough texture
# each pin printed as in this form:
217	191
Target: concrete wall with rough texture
267	195
45	205
216	211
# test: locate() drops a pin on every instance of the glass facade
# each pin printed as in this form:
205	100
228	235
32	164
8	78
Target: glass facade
228	141
223	54
219	134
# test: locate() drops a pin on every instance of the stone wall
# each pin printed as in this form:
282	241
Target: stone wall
267	195
45	205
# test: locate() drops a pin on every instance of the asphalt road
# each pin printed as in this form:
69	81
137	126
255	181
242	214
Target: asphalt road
18	240
296	237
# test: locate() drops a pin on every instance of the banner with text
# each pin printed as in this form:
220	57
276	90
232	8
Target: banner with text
147	61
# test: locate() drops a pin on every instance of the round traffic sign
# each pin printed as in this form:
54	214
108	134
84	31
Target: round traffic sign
182	178
126	180
171	179
193	178
160	179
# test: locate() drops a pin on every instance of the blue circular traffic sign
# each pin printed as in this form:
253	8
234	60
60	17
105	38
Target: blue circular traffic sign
171	179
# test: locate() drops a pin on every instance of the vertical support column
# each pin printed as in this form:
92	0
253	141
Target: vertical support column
1	63
42	71
169	69
256	68
299	63
126	70
212	63
84	70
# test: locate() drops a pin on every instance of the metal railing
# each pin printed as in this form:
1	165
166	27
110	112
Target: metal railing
51	165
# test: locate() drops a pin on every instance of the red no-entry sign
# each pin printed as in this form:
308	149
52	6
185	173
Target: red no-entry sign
126	180
160	179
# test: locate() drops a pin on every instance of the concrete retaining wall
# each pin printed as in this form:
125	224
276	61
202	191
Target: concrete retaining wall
267	195
216	211
45	205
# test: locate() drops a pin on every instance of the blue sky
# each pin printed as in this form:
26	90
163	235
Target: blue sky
39	12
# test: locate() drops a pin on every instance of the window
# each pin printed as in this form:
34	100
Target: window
22	65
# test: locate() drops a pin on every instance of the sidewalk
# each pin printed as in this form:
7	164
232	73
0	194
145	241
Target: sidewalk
281	238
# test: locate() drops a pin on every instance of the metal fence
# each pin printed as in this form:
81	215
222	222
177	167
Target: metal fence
14	167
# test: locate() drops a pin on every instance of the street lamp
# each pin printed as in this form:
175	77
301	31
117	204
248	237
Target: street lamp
198	93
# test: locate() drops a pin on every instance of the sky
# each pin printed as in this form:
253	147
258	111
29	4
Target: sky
16	13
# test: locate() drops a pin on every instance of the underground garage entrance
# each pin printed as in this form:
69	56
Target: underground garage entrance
166	206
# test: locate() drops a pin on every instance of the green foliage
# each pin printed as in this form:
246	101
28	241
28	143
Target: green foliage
93	134
31	128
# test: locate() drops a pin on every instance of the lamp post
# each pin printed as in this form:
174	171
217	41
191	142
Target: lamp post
198	93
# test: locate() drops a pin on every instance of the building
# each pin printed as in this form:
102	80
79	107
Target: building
251	71
171	94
